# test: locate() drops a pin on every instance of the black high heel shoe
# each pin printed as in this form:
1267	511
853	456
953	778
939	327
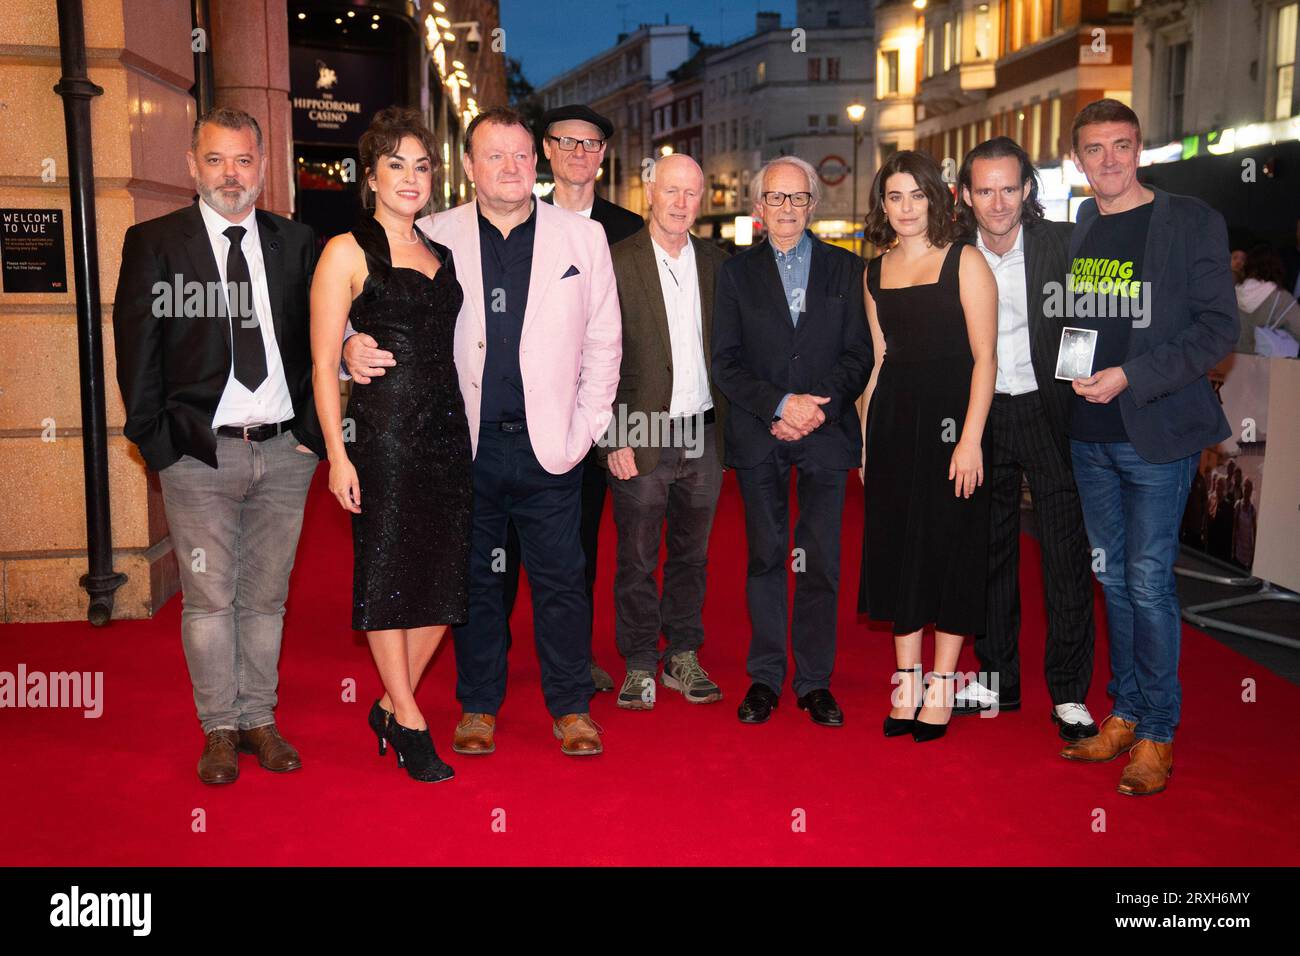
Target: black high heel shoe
378	721
923	732
415	752
895	726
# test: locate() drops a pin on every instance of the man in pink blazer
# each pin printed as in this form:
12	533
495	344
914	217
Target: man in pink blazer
538	348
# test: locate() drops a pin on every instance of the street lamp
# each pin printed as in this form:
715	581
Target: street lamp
856	112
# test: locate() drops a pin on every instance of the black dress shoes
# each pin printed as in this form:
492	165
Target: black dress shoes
822	708
760	701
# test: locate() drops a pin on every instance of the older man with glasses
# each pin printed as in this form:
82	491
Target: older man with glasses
791	353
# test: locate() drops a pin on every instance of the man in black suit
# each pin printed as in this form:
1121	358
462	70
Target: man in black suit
573	139
999	210
791	353
211	331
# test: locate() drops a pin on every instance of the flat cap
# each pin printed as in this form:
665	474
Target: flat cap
577	111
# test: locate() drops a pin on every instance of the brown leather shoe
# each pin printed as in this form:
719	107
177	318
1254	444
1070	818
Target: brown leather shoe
1149	766
220	761
579	735
474	734
1114	737
274	753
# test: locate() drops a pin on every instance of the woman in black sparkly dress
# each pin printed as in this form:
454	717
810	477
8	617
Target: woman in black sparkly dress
405	472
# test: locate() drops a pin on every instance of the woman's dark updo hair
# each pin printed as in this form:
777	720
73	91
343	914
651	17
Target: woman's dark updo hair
387	130
940	226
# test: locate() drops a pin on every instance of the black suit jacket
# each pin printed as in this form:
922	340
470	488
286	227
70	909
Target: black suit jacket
172	369
759	355
1047	246
1170	410
645	380
618	223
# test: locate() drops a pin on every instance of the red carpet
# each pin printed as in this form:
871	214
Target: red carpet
680	785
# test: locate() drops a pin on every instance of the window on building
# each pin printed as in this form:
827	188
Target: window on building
1035	131
947	45
889	73
1054	128
928	52
815	69
983	41
761	71
744	133
1175	86
758	134
832	122
1284	68
735	135
1016	25
832	68
697	108
832	18
814	123
695	147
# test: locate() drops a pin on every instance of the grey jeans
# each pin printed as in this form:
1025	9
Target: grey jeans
235	529
681	492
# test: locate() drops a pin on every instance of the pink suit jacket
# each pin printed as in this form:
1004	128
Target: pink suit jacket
572	340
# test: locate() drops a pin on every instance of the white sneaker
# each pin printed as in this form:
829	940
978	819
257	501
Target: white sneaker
973	698
1074	721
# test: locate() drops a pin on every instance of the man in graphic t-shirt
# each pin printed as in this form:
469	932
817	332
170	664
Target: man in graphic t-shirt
1149	272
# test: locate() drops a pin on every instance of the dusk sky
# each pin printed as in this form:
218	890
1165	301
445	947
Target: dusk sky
550	37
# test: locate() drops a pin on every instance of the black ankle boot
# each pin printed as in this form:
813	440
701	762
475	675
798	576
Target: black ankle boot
378	721
415	752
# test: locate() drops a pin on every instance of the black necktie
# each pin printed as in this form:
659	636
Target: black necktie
245	333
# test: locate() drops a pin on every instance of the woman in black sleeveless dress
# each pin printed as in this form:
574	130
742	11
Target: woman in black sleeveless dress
404	469
925	546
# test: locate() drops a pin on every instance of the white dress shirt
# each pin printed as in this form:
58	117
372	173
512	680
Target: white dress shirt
1015	365
271	402
680	282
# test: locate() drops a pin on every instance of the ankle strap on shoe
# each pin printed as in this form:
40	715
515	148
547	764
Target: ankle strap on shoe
908	670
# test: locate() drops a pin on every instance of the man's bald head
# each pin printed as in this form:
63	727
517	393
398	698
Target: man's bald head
676	190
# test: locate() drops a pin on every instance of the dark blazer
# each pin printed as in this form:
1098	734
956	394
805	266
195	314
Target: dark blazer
1047	246
759	355
618	223
172	369
1170	410
645	382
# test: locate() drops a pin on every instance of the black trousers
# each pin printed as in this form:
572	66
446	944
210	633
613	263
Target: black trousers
511	486
593	507
815	564
1022	443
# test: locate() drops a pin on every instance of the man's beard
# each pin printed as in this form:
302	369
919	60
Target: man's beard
222	203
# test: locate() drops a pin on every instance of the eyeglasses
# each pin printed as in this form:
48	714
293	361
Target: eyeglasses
798	200
570	143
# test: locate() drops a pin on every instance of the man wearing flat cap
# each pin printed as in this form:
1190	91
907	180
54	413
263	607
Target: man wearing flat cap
573	139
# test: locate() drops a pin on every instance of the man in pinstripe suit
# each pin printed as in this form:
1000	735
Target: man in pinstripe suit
998	205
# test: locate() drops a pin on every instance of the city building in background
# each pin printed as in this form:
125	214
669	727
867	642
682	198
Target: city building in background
312	73
349	60
1018	68
1214	83
616	83
785	91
